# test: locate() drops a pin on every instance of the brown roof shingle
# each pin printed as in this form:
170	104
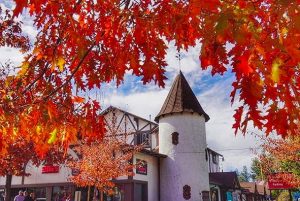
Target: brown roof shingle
254	187
225	179
181	98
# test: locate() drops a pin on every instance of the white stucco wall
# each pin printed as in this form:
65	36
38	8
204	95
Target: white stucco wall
151	177
214	167
186	163
37	177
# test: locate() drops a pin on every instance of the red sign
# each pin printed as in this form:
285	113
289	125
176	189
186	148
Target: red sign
50	169
141	167
275	182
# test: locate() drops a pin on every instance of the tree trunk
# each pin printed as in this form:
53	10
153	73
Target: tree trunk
23	175
8	187
101	195
89	193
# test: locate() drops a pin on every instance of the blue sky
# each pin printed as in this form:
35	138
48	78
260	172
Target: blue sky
146	100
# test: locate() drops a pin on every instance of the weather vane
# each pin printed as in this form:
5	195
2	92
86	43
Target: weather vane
179	57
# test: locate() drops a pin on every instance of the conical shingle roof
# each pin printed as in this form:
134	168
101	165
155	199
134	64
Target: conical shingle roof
180	99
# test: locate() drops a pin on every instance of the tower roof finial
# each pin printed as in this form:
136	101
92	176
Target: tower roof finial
179	57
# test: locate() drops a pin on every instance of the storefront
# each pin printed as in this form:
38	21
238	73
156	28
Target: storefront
55	192
52	183
224	186
123	191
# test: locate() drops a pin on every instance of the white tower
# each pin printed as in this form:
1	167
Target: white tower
182	137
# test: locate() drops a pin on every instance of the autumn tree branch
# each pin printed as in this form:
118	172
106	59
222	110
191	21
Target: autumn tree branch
72	74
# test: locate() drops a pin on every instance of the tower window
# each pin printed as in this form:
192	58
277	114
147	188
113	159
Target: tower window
175	136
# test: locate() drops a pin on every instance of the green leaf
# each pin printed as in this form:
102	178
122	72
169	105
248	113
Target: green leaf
222	23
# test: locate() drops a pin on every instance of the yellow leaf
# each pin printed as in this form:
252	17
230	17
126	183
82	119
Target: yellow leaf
24	68
60	63
53	136
15	131
275	74
38	129
284	31
4	132
282	35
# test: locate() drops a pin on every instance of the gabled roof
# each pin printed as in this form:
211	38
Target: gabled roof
180	99
256	188
225	179
113	108
214	152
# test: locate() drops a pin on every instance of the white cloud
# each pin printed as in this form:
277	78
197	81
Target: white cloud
10	54
189	59
144	104
13	54
220	134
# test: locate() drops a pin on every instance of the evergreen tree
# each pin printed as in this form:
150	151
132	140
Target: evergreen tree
256	170
244	175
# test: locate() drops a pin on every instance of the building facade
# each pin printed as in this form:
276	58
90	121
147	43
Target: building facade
175	161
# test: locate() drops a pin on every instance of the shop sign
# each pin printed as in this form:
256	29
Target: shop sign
50	169
141	167
75	172
274	182
277	184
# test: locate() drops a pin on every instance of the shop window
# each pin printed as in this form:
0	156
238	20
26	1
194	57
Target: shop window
175	137
62	193
186	192
117	195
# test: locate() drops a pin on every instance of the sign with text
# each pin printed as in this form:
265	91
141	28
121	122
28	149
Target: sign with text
50	169
276	182
141	167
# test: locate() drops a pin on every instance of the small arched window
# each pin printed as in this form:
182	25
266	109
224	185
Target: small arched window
186	192
175	137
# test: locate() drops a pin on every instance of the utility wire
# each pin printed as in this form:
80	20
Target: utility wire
238	149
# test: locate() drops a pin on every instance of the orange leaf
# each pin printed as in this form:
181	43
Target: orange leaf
78	99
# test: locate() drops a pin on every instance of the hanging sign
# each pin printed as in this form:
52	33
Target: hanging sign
75	172
275	182
141	167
